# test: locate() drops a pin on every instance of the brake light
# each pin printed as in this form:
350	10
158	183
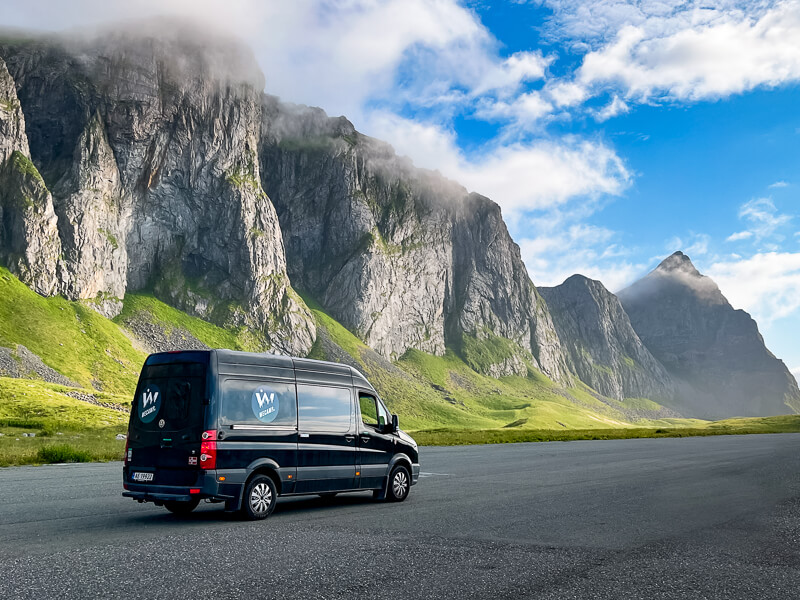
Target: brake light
208	450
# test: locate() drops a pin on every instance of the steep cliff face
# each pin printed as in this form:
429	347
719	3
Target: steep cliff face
401	256
604	350
29	242
150	146
689	326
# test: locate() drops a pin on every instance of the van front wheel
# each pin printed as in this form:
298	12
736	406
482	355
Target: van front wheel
399	484
179	507
259	499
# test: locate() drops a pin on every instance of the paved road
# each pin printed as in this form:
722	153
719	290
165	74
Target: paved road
715	517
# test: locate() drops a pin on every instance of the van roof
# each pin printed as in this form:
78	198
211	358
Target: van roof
236	357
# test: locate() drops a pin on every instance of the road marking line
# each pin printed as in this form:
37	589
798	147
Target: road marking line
426	474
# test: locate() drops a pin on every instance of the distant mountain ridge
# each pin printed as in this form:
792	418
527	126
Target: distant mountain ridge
135	163
691	328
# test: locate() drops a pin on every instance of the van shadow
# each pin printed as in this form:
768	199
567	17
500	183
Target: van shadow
287	506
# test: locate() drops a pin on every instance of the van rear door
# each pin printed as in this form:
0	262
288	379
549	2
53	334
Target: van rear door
167	420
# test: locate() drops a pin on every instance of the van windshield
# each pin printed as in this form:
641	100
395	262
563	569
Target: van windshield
169	397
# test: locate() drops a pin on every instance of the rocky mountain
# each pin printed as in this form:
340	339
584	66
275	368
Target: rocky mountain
603	347
401	256
689	326
154	163
157	162
149	146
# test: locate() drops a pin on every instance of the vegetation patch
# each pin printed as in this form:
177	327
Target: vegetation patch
168	318
68	336
480	353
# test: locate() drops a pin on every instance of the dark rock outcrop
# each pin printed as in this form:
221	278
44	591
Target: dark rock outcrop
689	326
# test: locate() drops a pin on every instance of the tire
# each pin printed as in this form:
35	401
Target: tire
178	507
399	484
260	497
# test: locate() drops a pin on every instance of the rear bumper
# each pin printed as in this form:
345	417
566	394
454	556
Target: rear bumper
205	486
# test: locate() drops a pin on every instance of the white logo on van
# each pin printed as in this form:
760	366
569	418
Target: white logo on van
151	402
265	403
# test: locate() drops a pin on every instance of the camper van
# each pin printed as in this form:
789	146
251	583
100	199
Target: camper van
241	429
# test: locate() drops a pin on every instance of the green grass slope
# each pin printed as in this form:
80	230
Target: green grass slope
167	318
68	336
441	398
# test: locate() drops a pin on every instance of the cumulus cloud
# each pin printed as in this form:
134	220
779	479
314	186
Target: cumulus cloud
521	176
778	184
796	373
677	50
767	285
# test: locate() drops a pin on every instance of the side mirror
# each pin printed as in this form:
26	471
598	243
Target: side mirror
395	424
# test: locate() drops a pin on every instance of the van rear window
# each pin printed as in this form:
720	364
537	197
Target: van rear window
169	397
258	402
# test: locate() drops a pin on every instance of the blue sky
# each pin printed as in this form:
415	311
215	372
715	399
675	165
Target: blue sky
611	133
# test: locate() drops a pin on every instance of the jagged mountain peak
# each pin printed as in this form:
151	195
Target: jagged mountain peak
680	262
676	276
689	326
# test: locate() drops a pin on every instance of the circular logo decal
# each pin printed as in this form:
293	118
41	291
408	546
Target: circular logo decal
265	404
150	403
161	423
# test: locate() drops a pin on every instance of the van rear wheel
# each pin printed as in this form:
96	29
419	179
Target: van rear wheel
399	484
259	499
180	507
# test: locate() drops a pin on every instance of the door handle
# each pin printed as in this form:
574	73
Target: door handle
349	438
364	439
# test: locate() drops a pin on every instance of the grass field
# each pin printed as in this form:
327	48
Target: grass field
442	399
65	429
460	437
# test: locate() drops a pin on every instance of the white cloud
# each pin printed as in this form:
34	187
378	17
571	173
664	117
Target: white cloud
617	106
763	218
517	68
738	236
767	285
678	50
796	373
556	250
778	184
520	176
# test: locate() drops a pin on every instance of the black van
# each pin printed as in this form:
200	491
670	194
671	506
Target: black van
243	428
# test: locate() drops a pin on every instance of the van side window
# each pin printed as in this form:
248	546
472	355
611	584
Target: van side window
258	402
324	409
369	411
383	415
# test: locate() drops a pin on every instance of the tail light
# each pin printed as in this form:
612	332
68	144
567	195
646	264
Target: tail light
208	450
128	451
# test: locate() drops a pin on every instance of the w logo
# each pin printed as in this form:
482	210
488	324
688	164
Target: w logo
149	398
265	404
262	398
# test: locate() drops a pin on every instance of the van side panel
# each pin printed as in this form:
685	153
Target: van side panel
250	436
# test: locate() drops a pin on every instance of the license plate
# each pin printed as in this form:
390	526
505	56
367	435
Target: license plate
142	477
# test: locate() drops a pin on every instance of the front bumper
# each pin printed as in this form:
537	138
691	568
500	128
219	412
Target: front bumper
414	473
